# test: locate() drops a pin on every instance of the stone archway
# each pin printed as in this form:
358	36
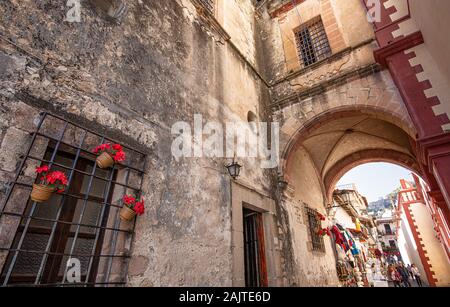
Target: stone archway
324	149
339	140
363	157
304	129
374	94
322	136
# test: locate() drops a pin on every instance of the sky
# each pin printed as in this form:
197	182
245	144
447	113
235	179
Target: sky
376	180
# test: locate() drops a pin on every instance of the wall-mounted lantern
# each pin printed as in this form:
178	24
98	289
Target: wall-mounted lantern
234	169
282	183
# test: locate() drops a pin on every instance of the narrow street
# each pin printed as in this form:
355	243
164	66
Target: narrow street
393	236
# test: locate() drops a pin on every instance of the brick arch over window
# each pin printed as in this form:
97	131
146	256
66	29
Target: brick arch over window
363	157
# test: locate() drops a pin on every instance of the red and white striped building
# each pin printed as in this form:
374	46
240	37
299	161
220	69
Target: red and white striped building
424	235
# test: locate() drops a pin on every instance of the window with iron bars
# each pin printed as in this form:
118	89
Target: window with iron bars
312	42
315	225
38	239
208	5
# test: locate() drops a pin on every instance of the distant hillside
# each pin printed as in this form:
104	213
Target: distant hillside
380	205
384	203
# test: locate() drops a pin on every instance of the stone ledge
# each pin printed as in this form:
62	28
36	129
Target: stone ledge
322	87
332	58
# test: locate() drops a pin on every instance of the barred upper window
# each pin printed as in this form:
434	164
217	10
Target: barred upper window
81	223
312	42
314	225
208	5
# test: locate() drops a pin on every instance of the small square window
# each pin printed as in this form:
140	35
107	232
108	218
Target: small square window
314	225
312	42
208	5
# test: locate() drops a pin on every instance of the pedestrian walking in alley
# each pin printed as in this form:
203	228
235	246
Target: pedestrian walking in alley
396	278
416	274
409	268
404	274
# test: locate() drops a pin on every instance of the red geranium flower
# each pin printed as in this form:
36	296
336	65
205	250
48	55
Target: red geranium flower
101	148
56	180
42	169
129	200
115	151
321	216
139	208
117	147
134	205
119	156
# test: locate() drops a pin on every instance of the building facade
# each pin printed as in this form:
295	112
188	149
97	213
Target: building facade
358	250
423	235
387	234
411	47
76	76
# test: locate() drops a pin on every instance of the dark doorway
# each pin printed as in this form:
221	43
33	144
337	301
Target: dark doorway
254	250
388	229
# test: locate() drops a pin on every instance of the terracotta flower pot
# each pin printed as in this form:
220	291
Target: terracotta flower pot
105	160
127	214
41	193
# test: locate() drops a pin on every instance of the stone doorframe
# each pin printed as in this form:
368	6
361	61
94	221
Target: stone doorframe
244	196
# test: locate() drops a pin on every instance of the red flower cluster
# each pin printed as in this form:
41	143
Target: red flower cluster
116	151
56	180
321	217
324	231
129	200
42	169
102	148
133	204
139	208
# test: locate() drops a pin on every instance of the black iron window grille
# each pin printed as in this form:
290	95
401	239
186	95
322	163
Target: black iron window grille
315	226
312	42
38	239
208	5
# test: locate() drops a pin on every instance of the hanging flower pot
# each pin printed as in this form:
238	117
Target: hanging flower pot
50	182
109	155
127	214
105	160
131	208
41	193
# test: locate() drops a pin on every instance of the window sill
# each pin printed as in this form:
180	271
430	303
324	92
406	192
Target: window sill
312	67
334	57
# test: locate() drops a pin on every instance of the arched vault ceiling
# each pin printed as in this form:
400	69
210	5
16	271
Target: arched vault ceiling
343	137
341	124
356	142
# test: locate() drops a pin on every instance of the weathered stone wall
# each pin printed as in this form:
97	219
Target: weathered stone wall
136	78
312	268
